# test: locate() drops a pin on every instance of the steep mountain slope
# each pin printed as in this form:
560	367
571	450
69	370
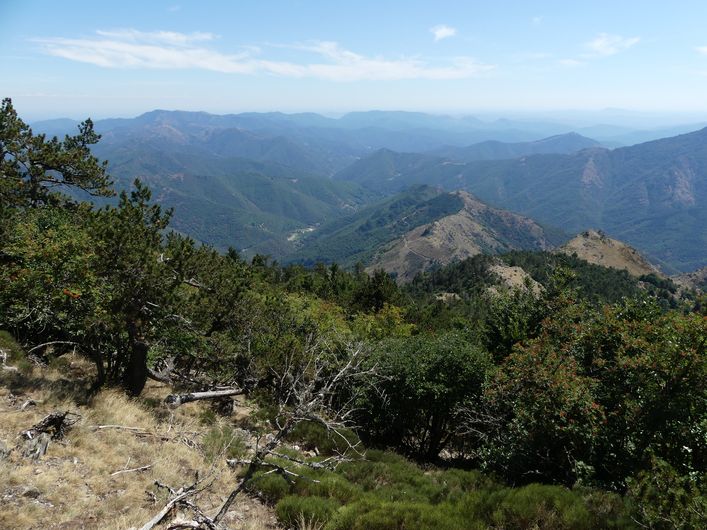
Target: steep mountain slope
422	227
387	171
494	150
693	280
651	195
474	229
253	206
599	249
356	237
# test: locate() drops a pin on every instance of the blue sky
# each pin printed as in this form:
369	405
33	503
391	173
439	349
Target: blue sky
80	58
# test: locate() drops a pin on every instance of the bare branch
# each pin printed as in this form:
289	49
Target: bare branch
51	343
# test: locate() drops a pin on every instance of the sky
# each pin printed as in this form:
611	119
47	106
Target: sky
105	59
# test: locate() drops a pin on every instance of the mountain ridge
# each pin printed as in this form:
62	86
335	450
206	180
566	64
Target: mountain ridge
651	195
475	229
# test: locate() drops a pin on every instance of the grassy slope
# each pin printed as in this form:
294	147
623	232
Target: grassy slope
72	486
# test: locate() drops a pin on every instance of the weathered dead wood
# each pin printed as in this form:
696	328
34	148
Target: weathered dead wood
52	427
164	375
275	468
142	468
167	508
200	519
137	431
28	403
51	343
305	391
175	400
3	362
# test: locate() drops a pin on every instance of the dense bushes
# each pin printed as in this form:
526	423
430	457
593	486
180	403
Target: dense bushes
385	492
421	384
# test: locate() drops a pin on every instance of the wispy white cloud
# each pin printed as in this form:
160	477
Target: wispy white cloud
163	37
605	44
128	48
702	50
537	19
134	49
442	31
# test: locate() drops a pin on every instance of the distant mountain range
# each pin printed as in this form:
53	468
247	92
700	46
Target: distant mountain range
495	150
274	183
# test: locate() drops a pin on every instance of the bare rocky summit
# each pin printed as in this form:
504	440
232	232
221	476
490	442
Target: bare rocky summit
475	229
598	248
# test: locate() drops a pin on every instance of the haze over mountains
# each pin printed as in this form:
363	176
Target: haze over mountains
293	185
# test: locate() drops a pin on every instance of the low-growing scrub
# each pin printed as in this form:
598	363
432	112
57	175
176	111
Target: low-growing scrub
387	492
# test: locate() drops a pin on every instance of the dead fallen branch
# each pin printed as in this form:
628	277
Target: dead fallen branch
180	497
175	400
168	507
138	469
287	474
137	431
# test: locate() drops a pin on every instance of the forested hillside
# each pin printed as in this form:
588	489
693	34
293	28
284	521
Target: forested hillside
337	398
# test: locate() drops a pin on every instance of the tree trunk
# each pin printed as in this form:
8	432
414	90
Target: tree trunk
135	375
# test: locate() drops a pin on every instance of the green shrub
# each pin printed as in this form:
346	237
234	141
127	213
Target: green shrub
207	417
15	354
664	499
330	486
271	487
392	479
544	507
607	509
311	436
371	514
457	483
292	511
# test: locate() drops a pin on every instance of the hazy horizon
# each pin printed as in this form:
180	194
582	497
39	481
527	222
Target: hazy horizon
93	59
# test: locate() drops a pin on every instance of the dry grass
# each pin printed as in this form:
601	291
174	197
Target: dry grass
72	486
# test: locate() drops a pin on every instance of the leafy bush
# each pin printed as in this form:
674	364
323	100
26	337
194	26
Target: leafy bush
665	500
372	514
423	380
310	436
271	487
292	511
